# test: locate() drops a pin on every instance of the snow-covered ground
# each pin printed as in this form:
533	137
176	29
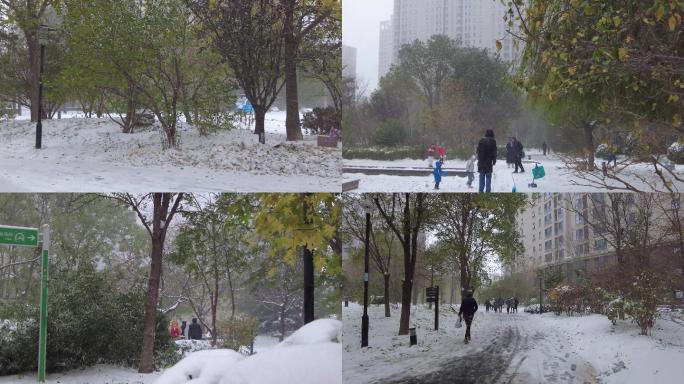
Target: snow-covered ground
311	355
558	178
511	348
93	155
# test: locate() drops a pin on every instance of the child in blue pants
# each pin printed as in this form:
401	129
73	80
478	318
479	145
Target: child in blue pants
437	173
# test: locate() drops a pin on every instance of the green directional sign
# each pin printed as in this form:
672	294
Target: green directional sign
26	237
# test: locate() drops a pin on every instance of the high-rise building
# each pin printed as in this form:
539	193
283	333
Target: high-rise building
473	23
574	231
349	61
386	48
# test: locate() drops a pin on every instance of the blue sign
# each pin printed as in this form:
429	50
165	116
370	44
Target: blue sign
247	108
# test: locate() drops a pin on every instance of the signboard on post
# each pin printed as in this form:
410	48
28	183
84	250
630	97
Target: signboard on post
432	296
21	236
28	237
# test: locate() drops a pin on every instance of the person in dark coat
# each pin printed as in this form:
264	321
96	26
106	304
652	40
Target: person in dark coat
510	160
515	304
518	155
467	312
545	147
487	305
184	325
195	331
486	159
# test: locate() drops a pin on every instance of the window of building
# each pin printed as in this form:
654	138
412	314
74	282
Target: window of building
600	244
578	218
548	232
548	245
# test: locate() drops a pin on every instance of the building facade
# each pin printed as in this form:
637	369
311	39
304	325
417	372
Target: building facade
574	232
473	23
348	62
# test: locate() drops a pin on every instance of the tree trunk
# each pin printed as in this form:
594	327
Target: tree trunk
150	320
291	46
259	123
589	144
214	307
282	322
34	70
129	123
163	214
308	272
387	299
407	284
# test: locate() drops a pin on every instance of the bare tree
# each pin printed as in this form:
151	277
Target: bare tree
164	207
407	224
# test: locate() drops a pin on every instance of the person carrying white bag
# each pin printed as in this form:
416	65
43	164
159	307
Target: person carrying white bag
467	312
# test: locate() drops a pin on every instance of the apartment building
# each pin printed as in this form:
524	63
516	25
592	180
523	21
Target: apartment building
569	231
474	23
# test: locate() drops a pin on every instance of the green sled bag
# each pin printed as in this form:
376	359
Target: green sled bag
538	172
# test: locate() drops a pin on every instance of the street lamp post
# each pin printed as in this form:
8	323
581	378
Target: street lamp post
364	318
42	31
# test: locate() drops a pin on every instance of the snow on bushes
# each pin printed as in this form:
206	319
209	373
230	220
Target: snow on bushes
310	355
676	152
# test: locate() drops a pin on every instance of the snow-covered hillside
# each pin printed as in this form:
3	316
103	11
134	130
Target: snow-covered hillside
88	155
311	355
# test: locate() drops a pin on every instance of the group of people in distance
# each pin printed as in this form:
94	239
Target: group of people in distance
485	156
469	306
194	330
497	305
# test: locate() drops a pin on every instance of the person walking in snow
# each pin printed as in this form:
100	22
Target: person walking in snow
487	305
509	304
195	331
509	153
184	324
470	170
545	147
486	159
518	155
437	173
515	304
467	312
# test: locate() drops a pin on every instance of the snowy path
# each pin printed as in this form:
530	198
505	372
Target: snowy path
510	348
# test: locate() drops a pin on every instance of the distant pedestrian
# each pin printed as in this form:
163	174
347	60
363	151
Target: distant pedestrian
437	173
509	304
174	330
441	151
486	159
518	155
467	312
195	331
613	155
510	159
487	305
545	147
184	324
431	154
470	170
515	304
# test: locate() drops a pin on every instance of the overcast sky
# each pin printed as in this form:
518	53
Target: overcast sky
361	30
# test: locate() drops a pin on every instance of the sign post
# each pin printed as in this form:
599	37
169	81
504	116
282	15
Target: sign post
432	296
45	264
28	237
